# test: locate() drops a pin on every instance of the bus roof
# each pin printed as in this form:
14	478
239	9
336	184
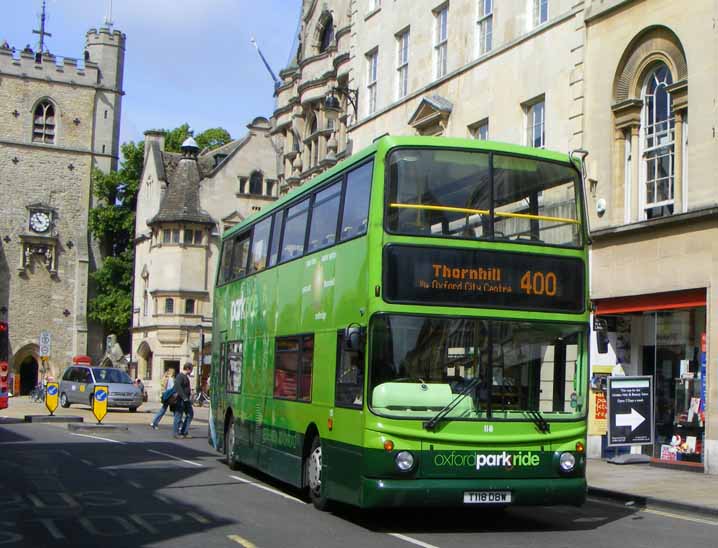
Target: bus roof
388	142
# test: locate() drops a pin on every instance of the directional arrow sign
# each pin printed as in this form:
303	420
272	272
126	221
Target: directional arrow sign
633	419
630	411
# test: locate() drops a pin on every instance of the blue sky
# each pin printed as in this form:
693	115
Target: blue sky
186	60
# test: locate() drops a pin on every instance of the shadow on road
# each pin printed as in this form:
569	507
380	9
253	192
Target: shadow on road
92	494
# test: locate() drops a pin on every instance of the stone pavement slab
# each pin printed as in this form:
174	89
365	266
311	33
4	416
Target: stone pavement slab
654	486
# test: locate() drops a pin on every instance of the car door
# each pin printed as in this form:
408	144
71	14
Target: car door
86	385
72	385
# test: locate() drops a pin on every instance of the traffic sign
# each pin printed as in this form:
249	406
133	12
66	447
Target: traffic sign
52	393
630	411
100	396
45	344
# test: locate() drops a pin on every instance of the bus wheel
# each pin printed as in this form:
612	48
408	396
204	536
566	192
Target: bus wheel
313	475
229	439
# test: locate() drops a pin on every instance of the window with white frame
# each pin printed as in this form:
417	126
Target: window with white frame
374	5
485	25
536	123
372	65
658	143
402	63
441	39
540	12
480	130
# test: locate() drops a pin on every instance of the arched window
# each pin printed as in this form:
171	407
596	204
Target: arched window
169	306
658	143
327	35
255	183
43	126
189	306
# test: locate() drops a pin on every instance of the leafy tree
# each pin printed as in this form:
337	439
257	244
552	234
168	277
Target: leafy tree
112	223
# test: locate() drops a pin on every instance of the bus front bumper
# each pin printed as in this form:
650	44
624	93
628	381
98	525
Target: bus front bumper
450	492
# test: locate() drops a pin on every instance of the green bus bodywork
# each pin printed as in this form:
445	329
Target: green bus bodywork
474	449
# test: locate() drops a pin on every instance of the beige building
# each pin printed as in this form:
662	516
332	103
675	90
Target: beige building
610	76
184	204
60	118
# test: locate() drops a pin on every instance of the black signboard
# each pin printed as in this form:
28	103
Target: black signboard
630	411
483	278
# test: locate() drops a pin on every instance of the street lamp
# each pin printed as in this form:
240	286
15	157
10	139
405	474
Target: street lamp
331	103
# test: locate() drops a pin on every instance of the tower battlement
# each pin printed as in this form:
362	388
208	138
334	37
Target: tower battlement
51	68
106	36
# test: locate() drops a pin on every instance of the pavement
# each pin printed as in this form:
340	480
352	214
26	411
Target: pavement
639	485
645	485
21	406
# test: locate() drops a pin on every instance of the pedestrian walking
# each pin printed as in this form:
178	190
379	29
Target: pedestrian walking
183	409
168	386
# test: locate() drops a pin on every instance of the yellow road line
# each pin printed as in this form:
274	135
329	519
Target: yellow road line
241	541
680	516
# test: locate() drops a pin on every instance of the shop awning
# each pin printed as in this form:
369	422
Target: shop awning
690	298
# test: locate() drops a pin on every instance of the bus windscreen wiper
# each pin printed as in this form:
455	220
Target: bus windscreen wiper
541	424
430	425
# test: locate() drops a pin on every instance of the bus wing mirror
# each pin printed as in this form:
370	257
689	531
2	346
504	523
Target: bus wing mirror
354	338
600	326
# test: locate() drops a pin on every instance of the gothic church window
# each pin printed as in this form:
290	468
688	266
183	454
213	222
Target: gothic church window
43	127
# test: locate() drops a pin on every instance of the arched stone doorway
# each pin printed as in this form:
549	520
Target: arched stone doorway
29	377
144	361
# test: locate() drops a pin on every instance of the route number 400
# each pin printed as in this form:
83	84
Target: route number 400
539	283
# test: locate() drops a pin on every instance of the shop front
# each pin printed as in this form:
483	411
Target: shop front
662	336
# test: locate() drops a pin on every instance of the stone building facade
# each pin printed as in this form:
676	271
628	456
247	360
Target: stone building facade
184	204
609	76
60	118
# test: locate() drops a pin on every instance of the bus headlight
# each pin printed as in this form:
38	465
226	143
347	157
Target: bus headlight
404	461
567	462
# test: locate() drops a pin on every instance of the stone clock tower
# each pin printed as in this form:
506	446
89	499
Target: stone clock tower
59	118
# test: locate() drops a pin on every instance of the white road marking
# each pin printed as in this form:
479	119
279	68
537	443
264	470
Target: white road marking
175	458
198	518
412	540
162	499
268	489
99	438
66	453
135	484
241	541
87	462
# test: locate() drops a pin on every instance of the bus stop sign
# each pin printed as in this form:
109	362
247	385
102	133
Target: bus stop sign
630	411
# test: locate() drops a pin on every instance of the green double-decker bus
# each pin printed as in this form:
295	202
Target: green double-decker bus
411	328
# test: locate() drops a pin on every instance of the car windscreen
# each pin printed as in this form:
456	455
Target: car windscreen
111	376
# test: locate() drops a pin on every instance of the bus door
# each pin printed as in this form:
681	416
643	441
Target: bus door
346	461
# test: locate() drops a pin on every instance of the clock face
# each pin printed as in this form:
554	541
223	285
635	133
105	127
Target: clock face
39	221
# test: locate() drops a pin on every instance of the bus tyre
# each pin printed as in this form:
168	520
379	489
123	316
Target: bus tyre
313	475
229	440
64	401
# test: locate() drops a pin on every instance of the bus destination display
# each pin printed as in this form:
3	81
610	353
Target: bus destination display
492	279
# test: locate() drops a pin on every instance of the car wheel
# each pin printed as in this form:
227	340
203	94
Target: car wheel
133	410
313	475
64	401
229	441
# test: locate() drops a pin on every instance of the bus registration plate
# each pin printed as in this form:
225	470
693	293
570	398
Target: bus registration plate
487	497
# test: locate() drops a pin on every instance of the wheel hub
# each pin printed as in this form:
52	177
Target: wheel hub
315	469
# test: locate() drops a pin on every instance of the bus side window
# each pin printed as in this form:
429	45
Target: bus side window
276	233
225	272
325	212
293	363
349	386
356	202
295	229
258	259
240	255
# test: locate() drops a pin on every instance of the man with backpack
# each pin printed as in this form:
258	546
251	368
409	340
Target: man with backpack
183	408
168	389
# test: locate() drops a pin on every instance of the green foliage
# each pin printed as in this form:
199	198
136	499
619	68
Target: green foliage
113	304
210	138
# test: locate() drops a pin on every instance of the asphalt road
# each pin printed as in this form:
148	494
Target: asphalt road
142	488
